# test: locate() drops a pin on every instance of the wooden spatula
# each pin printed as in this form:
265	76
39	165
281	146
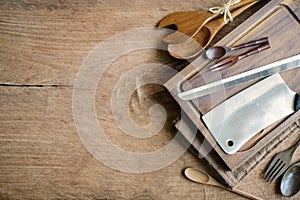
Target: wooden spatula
189	22
195	45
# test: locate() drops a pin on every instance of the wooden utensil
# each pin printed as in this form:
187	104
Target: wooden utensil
193	46
217	52
227	62
203	178
188	23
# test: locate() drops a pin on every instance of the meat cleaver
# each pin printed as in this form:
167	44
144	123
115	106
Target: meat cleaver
236	120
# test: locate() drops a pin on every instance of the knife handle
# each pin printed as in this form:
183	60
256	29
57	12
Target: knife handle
297	102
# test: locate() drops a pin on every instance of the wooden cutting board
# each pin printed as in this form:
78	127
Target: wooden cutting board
278	20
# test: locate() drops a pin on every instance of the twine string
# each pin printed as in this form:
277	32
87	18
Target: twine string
224	10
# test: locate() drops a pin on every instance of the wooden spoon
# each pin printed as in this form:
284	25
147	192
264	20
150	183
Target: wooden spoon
195	45
228	62
187	23
217	52
201	177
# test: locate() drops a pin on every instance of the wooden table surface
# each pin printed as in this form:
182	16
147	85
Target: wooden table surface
42	46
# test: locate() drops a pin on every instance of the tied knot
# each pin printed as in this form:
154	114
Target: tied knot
225	9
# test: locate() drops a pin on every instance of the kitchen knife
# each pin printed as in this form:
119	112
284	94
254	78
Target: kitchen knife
236	120
254	74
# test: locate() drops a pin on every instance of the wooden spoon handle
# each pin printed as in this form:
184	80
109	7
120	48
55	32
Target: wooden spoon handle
246	4
242	3
245	194
249	44
254	51
216	25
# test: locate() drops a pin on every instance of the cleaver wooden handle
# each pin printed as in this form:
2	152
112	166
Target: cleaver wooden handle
297	102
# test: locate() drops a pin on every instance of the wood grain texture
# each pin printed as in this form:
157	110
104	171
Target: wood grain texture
42	46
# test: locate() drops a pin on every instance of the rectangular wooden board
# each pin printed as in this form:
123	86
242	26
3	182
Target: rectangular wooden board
278	20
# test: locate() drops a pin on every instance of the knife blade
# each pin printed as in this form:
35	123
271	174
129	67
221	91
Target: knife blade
235	121
251	75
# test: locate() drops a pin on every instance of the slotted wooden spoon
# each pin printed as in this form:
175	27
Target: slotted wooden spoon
195	45
188	23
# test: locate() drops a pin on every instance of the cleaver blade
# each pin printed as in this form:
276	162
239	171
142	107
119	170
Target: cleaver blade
236	120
